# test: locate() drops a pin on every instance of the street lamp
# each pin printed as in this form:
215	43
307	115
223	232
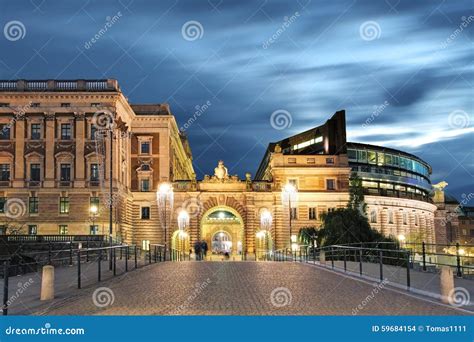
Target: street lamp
265	226
183	222
164	198
93	210
289	197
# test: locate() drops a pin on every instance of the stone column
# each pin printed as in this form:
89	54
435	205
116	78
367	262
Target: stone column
19	166
49	164
79	180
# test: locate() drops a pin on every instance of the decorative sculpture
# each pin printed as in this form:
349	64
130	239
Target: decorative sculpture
220	172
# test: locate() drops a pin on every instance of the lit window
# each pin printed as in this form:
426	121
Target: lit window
32	229
94	172
63	229
145	214
294	213
312	214
93	229
64	205
146	245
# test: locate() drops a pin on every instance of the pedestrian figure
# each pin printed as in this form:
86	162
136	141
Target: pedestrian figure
204	248
197	250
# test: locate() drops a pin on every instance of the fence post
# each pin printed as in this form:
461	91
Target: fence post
126	259
360	261
149	254
381	264
135	251
458	262
99	265
49	253
154	251
423	247
121	252
5	287
345	261
78	268
70	253
332	257
114	251
408	269
87	251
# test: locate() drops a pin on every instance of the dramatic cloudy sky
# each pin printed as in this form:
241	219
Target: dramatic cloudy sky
402	70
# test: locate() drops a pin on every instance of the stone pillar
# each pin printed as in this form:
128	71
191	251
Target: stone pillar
79	180
19	165
446	283
47	283
49	164
250	229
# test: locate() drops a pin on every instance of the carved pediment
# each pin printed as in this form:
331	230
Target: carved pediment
7	146
34	147
65	146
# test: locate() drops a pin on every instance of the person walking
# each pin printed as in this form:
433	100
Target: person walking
204	248
197	250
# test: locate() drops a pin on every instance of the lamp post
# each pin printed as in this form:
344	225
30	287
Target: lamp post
183	222
265	226
289	197
164	197
93	210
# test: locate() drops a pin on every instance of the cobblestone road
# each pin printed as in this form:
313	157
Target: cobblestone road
240	288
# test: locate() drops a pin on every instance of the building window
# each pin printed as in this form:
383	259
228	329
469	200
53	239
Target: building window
93	229
94	202
145	215
94	172
373	216
405	218
145	185
294	213
35	174
63	229
35	131
93	131
65	172
33	205
65	105
146	245
330	184
417	220
32	229
3	201
65	131
64	205
4	132
390	217
145	147
329	160
3	230
312	214
4	172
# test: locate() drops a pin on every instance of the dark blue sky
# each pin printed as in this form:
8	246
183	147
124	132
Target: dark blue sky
402	70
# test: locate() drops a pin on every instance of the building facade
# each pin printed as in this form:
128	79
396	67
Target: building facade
65	144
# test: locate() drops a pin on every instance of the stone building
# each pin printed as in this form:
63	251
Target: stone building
55	157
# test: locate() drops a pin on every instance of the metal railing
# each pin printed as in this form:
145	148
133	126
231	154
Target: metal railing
131	256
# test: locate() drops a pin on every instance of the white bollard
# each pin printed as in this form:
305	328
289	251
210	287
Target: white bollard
446	283
322	258
47	283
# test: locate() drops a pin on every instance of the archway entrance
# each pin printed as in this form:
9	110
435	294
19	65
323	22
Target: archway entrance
222	228
180	245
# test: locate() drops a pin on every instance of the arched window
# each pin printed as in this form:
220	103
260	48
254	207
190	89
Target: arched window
373	216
